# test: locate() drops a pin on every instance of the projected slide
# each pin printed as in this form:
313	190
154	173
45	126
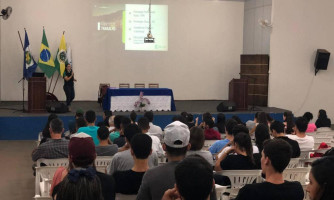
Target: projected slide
136	27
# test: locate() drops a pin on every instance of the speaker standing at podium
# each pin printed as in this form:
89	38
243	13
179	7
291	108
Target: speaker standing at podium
69	84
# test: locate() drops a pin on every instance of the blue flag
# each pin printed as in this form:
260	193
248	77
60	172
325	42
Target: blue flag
29	64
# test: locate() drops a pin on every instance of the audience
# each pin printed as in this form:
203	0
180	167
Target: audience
261	134
129	181
46	131
305	142
104	148
153	128
133	117
194	180
323	120
238	120
120	141
209	132
218	145
220	125
90	129
197	142
276	156
80	122
116	132
260	118
277	130
143	124
83	181
105	118
56	146
321	178
72	123
157	180
288	122
190	120
180	118
122	160
311	127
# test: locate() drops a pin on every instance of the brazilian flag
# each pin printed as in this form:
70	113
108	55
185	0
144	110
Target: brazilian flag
45	61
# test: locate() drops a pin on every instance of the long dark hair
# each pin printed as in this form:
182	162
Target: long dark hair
262	118
244	142
289	122
221	123
322	170
261	134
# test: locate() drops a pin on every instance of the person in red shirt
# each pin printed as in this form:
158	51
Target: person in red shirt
209	132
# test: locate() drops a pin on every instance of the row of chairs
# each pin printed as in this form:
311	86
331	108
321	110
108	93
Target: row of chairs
139	85
44	174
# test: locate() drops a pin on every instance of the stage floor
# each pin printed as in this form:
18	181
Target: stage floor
18	125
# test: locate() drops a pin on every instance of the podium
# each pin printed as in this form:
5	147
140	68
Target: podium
238	92
36	94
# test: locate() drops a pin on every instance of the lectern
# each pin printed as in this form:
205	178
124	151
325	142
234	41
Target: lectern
36	94
238	92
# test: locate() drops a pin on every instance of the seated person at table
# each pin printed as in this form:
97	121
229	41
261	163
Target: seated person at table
104	148
123	160
117	123
128	182
218	145
90	129
197	143
275	158
209	132
305	142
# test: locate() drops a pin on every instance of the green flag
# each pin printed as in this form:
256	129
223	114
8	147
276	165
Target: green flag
45	61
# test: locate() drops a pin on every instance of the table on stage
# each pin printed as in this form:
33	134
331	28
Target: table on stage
123	99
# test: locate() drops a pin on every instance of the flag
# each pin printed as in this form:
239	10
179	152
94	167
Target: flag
45	61
69	55
29	64
61	56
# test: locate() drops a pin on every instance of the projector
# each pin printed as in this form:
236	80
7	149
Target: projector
149	38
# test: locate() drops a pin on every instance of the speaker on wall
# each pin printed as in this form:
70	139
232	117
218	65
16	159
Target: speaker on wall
321	60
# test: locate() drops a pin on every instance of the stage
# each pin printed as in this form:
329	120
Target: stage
18	125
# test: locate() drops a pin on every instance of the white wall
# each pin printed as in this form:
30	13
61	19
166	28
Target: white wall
205	42
256	38
300	28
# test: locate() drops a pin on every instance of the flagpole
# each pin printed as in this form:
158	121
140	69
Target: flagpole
22	79
58	74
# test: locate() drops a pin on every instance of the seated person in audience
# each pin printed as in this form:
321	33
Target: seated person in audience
104	148
260	118
179	118
321	178
90	129
133	117
204	116
153	128
289	123
72	123
238	120
277	131
111	126
46	131
143	124
323	120
157	180
305	142
120	141
218	145
311	127
56	146
82	181
220	125
197	142
128	182
122	160
261	134
194	180
105	118
116	132
276	156
190	120
80	122
209	132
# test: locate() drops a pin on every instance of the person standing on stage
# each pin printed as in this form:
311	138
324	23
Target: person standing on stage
69	84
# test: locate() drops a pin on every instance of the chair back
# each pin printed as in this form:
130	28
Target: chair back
120	196
294	162
139	85
324	129
43	181
124	85
101	163
153	85
296	174
53	162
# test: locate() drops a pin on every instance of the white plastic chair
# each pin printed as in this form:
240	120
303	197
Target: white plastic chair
294	163
101	163
220	190
324	129
120	196
53	162
239	178
296	174
43	181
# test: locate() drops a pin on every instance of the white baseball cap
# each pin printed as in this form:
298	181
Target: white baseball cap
177	135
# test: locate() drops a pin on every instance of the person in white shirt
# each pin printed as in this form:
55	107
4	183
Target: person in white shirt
305	142
143	124
154	130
